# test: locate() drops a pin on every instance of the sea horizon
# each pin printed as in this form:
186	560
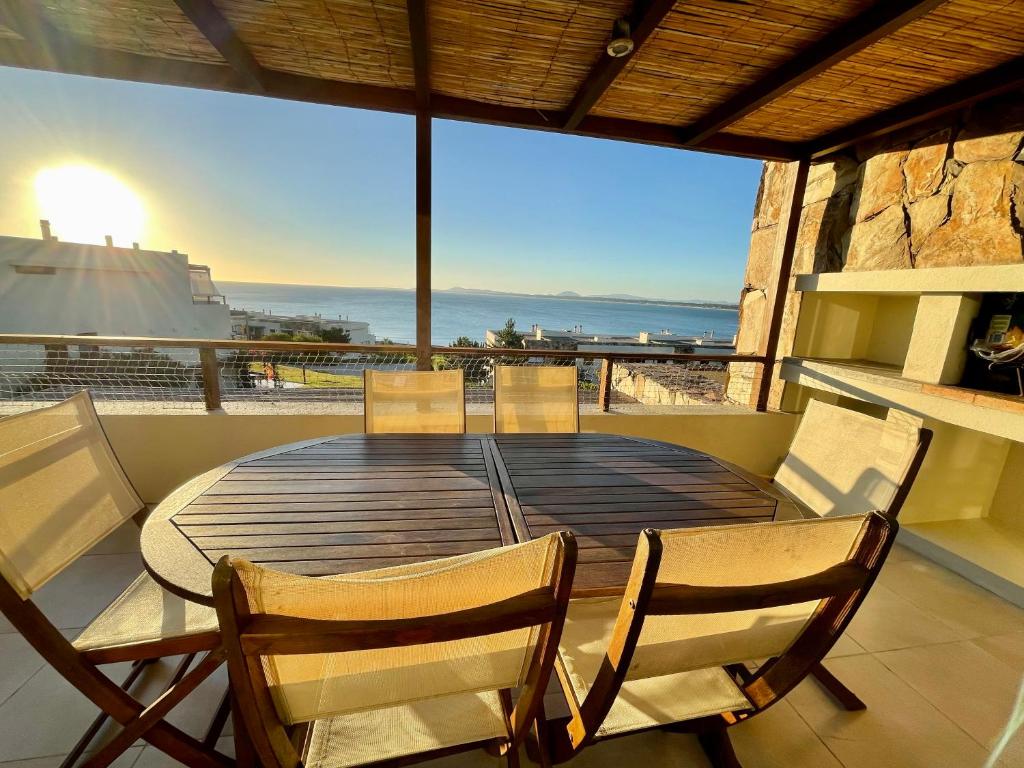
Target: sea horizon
391	312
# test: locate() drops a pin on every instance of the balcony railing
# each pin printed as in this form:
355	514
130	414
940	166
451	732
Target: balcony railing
36	369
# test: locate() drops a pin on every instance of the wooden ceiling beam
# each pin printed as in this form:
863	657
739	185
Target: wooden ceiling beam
645	18
879	21
218	30
992	82
419	38
120	65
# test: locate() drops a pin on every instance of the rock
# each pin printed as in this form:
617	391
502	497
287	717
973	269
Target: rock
830	178
957	244
925	165
881	185
759	260
974	149
879	243
984	222
926	216
751	321
988	189
819	241
773	189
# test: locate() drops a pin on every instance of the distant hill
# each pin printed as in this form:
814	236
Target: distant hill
614	297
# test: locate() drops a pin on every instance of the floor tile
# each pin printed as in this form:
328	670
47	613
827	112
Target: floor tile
127	760
46	716
973	611
20	662
900	727
1009	648
845	646
968	685
887	621
122	541
779	738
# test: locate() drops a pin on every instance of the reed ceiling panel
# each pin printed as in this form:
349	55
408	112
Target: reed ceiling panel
357	41
148	27
958	39
707	50
530	53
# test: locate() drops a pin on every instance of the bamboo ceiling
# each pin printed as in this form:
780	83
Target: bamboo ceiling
762	78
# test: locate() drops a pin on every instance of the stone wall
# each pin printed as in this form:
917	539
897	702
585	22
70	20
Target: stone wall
950	193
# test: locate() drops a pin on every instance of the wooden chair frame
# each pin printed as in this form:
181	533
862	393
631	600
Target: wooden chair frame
497	400
846	698
80	668
366	415
841	589
246	638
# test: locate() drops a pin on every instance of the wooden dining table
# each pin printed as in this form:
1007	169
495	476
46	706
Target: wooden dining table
336	505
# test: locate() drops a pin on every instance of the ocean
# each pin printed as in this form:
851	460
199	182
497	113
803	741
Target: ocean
392	313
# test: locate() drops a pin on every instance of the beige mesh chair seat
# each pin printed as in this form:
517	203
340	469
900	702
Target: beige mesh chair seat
416	659
142	619
842	462
414	402
701	602
408	729
62	491
539	398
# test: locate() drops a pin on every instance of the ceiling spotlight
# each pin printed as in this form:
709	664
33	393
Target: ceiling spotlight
621	43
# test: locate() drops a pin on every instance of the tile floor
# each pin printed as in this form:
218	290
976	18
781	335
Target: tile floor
938	661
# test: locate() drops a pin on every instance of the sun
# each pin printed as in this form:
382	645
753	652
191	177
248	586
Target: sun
84	203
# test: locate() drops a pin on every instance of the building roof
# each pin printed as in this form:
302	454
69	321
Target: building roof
776	79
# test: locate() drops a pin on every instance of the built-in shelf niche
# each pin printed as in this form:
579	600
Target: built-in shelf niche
855	326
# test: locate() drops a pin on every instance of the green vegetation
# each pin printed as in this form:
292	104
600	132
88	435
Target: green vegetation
465	341
296	375
508	337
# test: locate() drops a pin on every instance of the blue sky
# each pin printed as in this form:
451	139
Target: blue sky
276	191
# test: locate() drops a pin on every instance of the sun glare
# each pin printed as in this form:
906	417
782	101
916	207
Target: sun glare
84	203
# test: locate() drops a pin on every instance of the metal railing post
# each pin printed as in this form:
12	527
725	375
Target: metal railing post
604	385
211	377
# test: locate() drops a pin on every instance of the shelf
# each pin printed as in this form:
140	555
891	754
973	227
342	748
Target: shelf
983	551
986	279
871	382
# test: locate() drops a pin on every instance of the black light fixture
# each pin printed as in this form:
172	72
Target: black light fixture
621	43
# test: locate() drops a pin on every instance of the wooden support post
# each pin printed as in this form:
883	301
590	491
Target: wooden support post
423	241
778	287
211	377
604	385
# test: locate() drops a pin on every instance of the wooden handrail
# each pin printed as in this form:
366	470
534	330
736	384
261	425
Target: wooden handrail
317	346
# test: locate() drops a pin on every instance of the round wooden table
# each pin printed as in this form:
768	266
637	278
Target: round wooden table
357	502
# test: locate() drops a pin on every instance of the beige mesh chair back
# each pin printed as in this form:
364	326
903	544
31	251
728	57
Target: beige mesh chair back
414	401
61	492
842	462
410	660
699	603
536	398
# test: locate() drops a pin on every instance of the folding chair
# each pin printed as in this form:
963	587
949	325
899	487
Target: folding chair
61	492
396	665
842	462
414	401
536	398
700	602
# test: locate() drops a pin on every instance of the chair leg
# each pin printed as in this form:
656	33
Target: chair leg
846	698
512	757
182	683
86	739
718	748
537	747
220	719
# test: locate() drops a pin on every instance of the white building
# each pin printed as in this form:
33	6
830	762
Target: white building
247	324
51	287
